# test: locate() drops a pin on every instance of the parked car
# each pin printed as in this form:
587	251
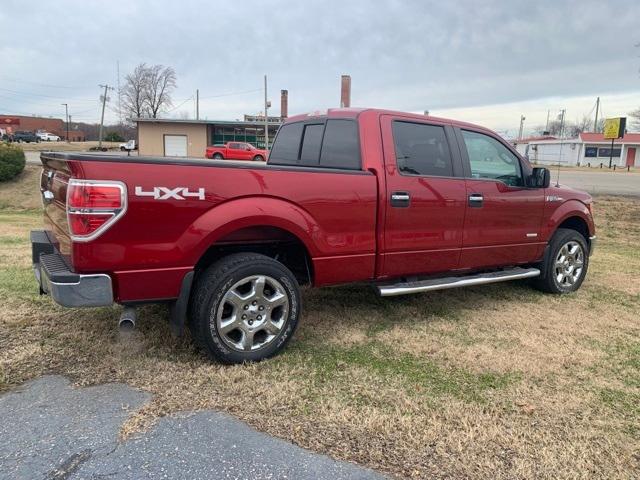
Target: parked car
409	203
47	137
27	137
128	146
236	151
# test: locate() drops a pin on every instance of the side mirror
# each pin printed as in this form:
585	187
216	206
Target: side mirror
540	178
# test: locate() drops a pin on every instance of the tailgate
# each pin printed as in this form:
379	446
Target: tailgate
53	189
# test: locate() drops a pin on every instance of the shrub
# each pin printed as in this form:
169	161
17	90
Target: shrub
12	161
113	137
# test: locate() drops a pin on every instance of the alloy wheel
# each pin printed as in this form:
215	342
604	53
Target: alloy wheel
252	313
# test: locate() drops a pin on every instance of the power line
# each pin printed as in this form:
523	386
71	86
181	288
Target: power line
37	103
15	92
175	108
47	85
232	93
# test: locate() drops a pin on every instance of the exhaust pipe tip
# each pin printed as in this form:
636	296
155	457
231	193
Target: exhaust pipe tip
127	321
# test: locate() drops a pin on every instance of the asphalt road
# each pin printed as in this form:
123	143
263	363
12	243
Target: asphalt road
52	431
602	182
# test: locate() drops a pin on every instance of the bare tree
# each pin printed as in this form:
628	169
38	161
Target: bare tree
133	92
161	81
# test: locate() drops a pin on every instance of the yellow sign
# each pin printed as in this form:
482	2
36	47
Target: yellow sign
614	127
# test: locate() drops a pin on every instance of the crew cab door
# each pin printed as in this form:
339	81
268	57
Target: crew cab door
503	220
425	197
236	151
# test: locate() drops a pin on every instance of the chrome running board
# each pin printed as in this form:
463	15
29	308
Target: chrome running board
402	288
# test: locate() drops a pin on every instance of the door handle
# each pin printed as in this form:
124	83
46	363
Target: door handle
476	200
400	199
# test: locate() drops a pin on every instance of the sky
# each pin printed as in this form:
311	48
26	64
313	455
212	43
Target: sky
488	62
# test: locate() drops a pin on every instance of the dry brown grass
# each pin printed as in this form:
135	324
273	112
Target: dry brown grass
66	147
494	382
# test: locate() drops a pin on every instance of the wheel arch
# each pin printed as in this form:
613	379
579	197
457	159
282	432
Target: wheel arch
574	215
267	225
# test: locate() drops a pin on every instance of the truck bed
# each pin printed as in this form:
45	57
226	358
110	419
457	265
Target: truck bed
157	240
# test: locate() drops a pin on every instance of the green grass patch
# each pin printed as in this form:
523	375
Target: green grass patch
14	241
624	402
420	376
18	283
7	210
604	295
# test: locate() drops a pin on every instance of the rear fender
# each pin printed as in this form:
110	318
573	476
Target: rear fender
233	215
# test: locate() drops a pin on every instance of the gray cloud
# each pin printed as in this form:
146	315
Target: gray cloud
408	55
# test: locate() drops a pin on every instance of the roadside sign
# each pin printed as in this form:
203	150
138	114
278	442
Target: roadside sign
614	127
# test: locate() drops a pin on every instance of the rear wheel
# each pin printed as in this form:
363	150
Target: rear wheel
217	156
567	264
245	308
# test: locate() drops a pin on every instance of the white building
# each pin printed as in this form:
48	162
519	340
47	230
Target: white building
588	149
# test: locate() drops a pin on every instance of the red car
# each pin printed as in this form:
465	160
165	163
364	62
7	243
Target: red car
408	203
236	151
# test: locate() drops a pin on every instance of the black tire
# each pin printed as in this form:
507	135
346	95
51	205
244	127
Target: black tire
258	158
208	299
217	156
122	149
548	280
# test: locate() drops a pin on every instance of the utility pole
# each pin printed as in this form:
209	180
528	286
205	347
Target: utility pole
546	127
521	131
119	100
266	117
562	112
595	123
66	115
197	104
104	103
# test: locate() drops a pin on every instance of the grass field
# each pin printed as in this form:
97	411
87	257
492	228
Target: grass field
66	147
496	382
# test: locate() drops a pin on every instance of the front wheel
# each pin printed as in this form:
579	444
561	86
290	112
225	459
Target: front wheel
258	158
245	308
566	267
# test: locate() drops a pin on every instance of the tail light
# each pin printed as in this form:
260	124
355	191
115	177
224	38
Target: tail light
93	206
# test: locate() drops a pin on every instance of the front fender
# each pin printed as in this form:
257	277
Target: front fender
244	212
570	208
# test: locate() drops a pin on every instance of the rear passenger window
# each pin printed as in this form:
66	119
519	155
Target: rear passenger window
340	147
311	140
287	145
422	149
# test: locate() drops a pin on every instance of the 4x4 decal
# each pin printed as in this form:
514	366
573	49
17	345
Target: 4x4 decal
166	193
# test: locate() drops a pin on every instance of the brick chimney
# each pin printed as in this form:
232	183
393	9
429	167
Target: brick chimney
345	92
284	103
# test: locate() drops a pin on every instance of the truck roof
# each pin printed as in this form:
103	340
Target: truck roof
355	112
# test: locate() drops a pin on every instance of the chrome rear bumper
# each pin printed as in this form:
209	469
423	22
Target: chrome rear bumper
66	287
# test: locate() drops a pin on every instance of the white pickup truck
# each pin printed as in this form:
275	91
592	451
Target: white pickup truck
47	137
128	146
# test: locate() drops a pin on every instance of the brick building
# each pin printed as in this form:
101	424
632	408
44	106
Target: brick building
33	124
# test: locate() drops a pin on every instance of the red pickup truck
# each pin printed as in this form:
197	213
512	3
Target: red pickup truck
236	151
408	203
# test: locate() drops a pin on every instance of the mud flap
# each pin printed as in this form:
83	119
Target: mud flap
178	309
